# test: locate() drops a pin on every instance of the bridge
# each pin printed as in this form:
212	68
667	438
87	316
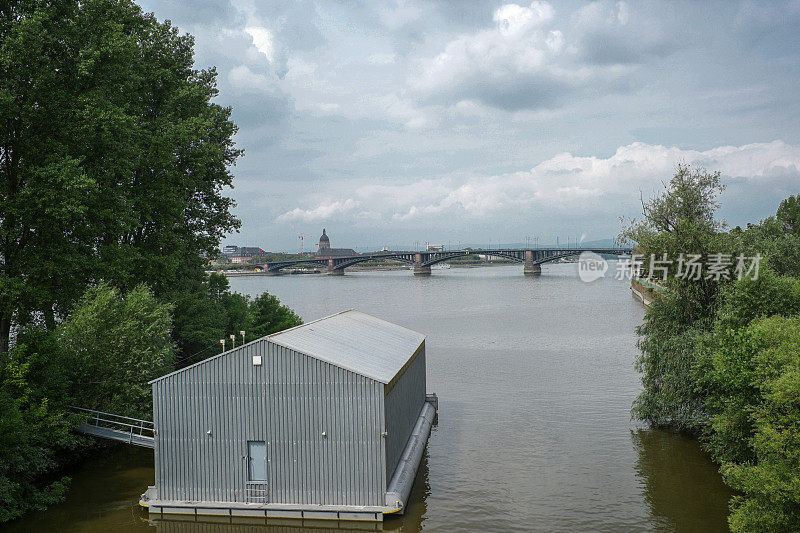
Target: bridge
531	259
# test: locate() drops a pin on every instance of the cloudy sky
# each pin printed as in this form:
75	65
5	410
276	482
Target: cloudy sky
391	122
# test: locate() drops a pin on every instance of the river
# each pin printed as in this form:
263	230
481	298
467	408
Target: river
535	379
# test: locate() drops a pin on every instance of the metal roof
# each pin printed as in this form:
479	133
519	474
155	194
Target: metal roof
353	340
356	341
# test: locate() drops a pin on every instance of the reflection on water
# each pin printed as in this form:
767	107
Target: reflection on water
103	496
535	380
682	487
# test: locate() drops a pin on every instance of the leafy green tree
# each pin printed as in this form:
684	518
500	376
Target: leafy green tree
680	220
772	239
753	380
724	373
34	433
789	215
269	316
207	313
117	343
669	396
748	299
112	156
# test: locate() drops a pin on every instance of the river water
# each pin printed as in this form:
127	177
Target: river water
535	380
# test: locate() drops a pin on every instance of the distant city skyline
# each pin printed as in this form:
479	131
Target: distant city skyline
390	123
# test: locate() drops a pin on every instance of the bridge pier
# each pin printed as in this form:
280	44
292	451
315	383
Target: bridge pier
419	268
332	270
529	267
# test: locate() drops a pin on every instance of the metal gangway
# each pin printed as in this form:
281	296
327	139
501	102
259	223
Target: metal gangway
116	427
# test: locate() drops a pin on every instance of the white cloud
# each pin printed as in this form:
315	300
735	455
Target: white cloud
519	63
321	212
263	41
241	76
516	45
564	182
513	19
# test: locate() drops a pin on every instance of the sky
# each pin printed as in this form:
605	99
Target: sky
394	122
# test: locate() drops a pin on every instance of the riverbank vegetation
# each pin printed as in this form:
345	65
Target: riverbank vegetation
113	162
720	358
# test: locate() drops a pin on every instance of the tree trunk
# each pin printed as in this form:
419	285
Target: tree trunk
5	333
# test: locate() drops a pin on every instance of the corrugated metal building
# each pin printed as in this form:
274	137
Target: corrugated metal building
325	420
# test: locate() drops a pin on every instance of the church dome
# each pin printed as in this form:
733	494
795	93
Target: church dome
324	241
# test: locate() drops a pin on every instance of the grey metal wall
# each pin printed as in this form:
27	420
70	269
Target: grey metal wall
288	402
402	405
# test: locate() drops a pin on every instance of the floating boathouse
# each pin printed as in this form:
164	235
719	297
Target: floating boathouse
324	420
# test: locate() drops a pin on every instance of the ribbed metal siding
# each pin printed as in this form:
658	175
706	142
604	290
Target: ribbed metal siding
288	402
402	405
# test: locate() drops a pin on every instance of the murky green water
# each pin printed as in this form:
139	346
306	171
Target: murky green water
535	380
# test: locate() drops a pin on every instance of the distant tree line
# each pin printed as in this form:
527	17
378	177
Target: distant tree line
113	162
720	359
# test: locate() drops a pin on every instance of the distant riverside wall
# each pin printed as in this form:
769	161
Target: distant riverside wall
645	291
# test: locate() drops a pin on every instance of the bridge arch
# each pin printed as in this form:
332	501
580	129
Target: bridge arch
448	256
277	267
357	260
578	252
553	258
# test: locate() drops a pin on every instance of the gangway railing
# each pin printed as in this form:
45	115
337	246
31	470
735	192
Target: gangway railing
116	427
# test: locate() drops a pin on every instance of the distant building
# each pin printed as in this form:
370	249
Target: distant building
251	251
230	250
245	254
324	250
